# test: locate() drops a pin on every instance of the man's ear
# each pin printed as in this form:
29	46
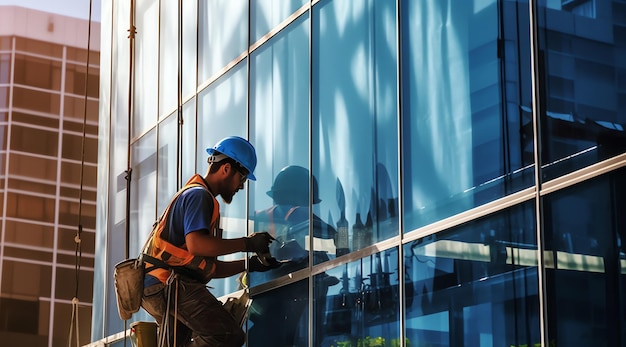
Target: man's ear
226	167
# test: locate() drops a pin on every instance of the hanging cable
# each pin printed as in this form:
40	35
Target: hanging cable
131	36
78	251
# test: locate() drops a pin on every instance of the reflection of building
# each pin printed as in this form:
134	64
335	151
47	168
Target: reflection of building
438	145
43	61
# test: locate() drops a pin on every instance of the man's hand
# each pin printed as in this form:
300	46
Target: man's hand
258	242
255	264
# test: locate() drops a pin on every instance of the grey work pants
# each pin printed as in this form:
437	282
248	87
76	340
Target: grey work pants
202	320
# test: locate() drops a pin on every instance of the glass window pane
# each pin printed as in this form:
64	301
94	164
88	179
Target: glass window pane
34	186
5	68
74	109
188	141
49	49
280	317
167	157
357	304
219	44
467	138
265	15
168	58
37	72
75	80
48	121
146	66
4	97
584	113
279	109
355	121
36	100
36	285
26	233
143	190
75	146
190	34
34	141
222	110
585	243
476	284
33	167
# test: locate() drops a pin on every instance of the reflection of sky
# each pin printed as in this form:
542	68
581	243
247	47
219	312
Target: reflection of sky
71	8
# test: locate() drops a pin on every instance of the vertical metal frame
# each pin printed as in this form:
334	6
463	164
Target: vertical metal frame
536	107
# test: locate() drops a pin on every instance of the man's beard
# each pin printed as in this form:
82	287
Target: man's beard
228	198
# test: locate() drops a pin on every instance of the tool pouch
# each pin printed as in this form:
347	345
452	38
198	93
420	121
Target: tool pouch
128	279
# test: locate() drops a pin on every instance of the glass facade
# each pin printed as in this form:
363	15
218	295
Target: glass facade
48	178
436	173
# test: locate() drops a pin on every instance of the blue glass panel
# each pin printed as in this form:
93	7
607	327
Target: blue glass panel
280	317
222	110
476	284
279	115
222	34
586	257
265	15
582	56
357	304
466	137
355	128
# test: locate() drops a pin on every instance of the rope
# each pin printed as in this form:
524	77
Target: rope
131	36
78	253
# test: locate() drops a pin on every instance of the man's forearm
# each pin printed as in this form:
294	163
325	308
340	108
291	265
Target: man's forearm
225	269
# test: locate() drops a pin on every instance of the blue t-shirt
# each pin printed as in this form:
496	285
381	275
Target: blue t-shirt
192	211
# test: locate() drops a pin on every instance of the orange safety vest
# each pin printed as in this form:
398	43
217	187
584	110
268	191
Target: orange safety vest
198	267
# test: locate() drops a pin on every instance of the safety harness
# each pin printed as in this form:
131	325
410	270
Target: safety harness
162	257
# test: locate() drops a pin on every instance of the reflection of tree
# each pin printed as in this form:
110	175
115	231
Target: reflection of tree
354	95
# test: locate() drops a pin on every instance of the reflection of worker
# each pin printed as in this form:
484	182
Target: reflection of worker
186	243
288	221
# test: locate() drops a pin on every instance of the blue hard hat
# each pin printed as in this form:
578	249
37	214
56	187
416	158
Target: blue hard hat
238	149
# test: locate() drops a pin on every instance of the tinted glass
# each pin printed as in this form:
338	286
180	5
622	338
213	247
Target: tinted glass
475	285
38	72
279	109
582	52
189	148
222	110
357	304
168	58
466	136
5	68
355	121
189	46
143	190
280	317
146	68
267	14
219	44
167	157
586	262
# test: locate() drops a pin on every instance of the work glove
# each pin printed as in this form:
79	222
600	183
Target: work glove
258	242
256	265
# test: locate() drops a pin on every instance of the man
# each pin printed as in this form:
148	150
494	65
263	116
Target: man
183	249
